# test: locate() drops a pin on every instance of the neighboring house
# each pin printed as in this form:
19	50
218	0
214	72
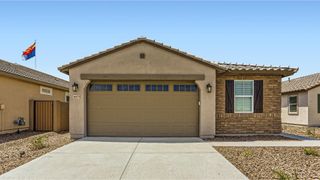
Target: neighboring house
145	88
27	95
301	101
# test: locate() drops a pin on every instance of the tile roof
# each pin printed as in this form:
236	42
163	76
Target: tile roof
301	84
255	67
33	75
221	67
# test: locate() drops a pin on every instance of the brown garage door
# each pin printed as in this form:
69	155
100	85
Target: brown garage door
143	109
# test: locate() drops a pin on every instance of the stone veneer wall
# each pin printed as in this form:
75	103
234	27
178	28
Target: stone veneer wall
250	123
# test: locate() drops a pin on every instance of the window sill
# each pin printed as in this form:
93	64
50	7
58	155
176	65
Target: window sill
293	113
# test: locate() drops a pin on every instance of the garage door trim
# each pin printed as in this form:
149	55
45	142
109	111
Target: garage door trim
160	77
142	86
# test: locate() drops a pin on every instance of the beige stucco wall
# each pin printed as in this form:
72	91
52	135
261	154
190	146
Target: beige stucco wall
302	117
127	61
314	116
15	95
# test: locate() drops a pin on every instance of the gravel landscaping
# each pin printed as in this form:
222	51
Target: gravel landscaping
250	138
17	149
313	132
274	162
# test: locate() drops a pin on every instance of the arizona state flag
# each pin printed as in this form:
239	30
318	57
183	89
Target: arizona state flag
30	52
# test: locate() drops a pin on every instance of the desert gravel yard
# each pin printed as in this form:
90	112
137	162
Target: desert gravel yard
275	162
17	149
313	132
249	138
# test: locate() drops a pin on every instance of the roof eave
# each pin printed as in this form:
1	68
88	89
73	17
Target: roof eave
282	73
65	68
300	90
33	81
294	91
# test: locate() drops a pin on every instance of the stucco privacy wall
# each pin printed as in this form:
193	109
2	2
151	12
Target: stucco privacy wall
303	115
250	123
127	61
314	116
15	95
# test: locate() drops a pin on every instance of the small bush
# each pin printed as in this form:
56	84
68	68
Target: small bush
311	151
39	142
310	133
281	175
247	153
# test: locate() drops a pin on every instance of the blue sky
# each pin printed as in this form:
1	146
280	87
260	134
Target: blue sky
270	33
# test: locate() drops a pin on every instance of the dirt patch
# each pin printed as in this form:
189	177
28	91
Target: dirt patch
250	138
274	162
18	149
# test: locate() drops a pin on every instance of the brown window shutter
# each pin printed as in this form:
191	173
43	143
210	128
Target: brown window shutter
318	103
258	96
229	96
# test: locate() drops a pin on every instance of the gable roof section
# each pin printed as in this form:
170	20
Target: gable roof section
301	84
221	67
259	69
65	68
27	74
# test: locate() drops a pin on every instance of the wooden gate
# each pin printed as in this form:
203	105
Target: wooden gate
43	115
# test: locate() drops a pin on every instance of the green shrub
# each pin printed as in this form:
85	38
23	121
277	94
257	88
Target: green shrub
247	153
39	142
281	175
310	133
311	151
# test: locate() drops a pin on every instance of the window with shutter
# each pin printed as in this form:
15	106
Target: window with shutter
243	96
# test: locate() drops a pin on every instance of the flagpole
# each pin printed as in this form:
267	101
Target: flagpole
35	56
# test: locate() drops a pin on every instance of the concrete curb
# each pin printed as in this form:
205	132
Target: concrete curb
297	137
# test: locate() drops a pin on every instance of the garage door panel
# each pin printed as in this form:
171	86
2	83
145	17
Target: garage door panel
145	116
142	131
142	113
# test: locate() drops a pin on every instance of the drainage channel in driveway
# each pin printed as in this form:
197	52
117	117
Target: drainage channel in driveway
129	158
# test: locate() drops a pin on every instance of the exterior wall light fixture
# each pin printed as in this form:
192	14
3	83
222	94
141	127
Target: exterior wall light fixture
75	87
209	88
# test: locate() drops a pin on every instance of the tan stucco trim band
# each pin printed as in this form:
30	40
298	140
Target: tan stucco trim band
142	76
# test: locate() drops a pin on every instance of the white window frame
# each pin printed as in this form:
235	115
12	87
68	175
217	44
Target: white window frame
297	104
47	88
251	96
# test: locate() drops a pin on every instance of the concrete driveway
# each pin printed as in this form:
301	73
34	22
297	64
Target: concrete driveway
130	158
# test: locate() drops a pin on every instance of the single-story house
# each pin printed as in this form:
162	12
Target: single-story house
301	101
146	88
30	99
